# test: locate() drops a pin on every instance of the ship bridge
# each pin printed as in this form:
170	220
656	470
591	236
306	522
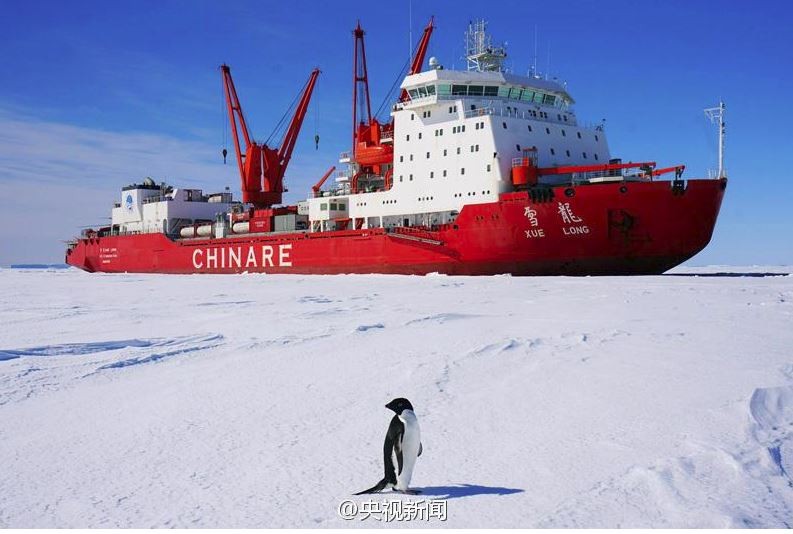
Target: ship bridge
429	87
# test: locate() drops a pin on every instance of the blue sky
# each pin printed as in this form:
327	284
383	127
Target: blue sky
94	95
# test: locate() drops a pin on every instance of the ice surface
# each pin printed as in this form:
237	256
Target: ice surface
257	401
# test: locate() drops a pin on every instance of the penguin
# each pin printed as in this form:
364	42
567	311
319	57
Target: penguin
403	440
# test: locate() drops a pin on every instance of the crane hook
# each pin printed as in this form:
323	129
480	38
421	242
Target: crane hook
225	152
316	141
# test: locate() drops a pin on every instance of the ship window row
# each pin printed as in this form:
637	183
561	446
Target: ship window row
562	130
438	132
427	155
503	91
334	206
422	92
523	94
458	129
422	199
393	201
567	153
471	193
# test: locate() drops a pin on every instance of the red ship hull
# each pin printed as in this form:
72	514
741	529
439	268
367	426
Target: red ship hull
600	229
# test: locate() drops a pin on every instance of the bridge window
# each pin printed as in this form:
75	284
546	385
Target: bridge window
491	90
430	90
444	89
413	94
527	95
475	90
422	92
459	90
548	99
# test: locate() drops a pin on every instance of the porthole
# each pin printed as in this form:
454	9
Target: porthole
569	192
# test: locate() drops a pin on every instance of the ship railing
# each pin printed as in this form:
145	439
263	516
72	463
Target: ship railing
149	200
509	111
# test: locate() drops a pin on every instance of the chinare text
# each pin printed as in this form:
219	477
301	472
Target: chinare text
243	257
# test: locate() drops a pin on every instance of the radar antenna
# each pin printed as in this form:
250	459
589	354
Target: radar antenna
479	50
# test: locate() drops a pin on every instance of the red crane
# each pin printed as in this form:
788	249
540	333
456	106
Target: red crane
262	168
421	53
525	171
318	186
372	142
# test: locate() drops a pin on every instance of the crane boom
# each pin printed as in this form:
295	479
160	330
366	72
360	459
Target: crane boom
288	144
262	168
360	84
235	114
421	53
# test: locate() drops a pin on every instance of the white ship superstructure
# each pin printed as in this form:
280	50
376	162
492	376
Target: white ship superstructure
454	142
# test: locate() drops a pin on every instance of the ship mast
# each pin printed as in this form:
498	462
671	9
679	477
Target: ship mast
716	116
480	54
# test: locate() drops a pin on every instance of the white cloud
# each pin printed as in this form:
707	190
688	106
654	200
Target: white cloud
57	178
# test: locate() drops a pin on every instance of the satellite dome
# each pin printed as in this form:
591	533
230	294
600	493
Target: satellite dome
148	181
434	62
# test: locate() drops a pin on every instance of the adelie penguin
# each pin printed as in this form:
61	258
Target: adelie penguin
403	441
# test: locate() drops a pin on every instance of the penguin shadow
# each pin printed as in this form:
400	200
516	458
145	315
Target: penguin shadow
465	490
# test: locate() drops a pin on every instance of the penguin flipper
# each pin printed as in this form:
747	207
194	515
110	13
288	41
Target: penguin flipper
377	488
393	446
